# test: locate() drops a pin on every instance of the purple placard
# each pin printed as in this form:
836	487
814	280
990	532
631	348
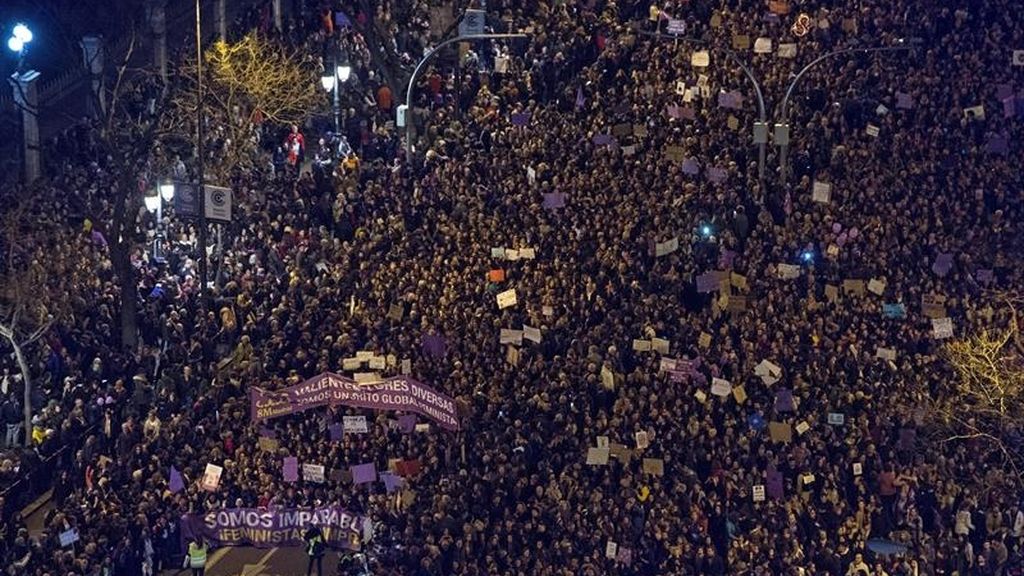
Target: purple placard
732	100
270	528
603	139
726	258
328	389
407	423
364	473
983	276
707	282
1004	91
998	145
904	101
554	200
717	175
784	400
691	166
392	482
521	119
674	111
773	484
580	99
291	469
336	432
1009	107
943	264
688	113
434	345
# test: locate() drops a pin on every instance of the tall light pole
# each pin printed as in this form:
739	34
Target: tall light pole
782	128
760	136
24	84
201	187
332	80
404	112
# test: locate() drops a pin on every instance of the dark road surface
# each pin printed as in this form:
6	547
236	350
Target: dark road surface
261	562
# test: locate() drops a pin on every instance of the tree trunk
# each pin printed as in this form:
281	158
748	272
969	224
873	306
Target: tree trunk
27	399
121	260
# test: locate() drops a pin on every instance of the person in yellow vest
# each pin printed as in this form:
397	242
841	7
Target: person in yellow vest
315	547
197	549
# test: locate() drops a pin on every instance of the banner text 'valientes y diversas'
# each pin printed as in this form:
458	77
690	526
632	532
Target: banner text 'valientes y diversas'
272	528
329	389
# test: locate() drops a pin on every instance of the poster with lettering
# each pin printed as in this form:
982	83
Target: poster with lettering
211	478
263	528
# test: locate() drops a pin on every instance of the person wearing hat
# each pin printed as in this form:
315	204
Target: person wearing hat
315	547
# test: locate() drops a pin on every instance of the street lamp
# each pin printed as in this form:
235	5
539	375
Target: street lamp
332	82
21	36
155	203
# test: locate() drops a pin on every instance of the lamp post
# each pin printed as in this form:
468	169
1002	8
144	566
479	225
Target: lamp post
782	129
332	81
760	136
200	156
23	82
155	203
402	113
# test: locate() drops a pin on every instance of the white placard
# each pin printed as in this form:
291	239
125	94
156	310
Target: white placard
1018	58
527	253
641	345
532	334
506	299
611	550
942	328
211	477
758	492
786	51
720	387
313	473
497	252
511	337
354	424
763	45
858	468
667	247
700	59
822	192
872	131
886	354
788	271
876	286
378	363
349	364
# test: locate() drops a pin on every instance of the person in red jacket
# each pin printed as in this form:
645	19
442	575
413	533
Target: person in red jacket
295	147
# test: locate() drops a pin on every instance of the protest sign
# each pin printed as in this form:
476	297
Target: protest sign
876	286
704	340
676	27
700	396
773	483
788	271
607	378
821	192
720	387
784	400
268	444
211	477
641	438
894	310
758	493
328	389
660	345
355	424
853	286
933	305
506	299
1017	59
532	334
313	473
654	466
395	312
858	468
786	51
904	101
364	473
272	528
700	59
740	42
942	328
885	353
641	345
510	337
732	99
611	550
290	469
68	537
802	427
520	118
943	264
176	483
836	419
780	432
554	200
763	45
597	456
496	275
740	394
667	247
512	355
872	131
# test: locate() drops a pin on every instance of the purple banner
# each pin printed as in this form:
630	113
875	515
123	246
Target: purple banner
328	389
272	528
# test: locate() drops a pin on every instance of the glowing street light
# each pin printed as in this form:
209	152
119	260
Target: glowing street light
15	44
21	32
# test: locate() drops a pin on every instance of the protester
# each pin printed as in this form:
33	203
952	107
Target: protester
396	256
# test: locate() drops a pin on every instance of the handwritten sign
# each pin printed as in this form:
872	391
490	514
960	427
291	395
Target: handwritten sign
507	299
821	192
720	387
700	59
313	473
758	493
942	328
211	477
354	424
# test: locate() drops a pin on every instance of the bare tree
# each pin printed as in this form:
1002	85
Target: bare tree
24	315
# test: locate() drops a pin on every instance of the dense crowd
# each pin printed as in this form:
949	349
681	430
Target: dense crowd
660	187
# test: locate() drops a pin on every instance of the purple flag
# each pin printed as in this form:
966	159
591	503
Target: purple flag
1004	91
177	484
521	119
717	175
773	484
603	139
691	167
732	100
554	200
392	482
904	101
291	469
267	432
407	423
434	345
983	276
580	100
784	400
1009	106
341	20
674	111
336	431
689	113
98	238
943	264
364	473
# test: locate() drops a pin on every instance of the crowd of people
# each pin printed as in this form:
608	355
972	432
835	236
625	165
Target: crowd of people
626	165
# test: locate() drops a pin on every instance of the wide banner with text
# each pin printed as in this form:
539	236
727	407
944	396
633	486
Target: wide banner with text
328	389
272	528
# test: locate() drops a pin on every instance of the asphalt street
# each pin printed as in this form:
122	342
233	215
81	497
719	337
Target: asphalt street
260	562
